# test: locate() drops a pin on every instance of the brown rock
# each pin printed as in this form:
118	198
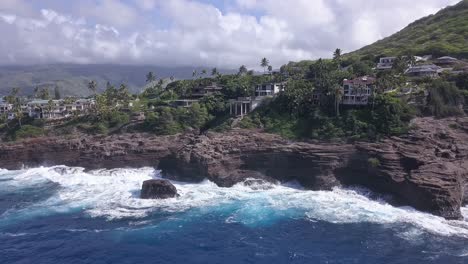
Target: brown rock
426	169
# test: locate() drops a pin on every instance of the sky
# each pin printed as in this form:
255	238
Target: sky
211	33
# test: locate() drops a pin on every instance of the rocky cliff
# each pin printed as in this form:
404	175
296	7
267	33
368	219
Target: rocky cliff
426	169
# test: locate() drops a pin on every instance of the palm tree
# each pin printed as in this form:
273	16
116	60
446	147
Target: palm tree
194	73
92	86
242	70
36	92
18	114
123	94
214	72
44	94
338	95
270	71
337	55
172	78
203	72
264	63
50	106
150	77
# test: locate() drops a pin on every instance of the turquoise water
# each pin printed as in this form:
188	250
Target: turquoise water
67	215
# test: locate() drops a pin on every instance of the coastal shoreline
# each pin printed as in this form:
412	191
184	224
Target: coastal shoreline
426	169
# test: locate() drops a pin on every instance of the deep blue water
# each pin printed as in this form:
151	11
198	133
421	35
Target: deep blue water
50	215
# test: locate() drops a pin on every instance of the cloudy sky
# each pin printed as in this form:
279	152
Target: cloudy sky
222	33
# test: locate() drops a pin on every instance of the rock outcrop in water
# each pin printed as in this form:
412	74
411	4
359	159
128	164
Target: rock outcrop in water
158	189
426	169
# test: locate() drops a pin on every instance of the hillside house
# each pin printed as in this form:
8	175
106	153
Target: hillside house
269	89
243	105
203	91
385	63
184	103
357	91
421	71
56	109
446	62
5	107
316	96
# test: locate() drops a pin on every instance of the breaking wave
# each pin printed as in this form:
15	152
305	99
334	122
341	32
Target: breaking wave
114	194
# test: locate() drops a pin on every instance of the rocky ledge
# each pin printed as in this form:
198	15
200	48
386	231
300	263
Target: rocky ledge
426	169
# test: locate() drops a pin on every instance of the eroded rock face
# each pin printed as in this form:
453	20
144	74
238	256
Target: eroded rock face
426	169
158	189
116	151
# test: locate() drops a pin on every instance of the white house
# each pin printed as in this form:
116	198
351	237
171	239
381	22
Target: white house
357	91
269	89
5	107
386	63
56	109
243	105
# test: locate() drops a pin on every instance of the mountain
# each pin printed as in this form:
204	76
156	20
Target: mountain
73	79
445	33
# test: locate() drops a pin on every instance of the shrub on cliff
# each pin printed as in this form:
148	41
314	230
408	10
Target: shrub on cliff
28	131
373	162
444	99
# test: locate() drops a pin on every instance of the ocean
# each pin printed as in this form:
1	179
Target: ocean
69	215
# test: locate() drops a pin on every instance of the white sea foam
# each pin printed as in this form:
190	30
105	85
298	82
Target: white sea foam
114	194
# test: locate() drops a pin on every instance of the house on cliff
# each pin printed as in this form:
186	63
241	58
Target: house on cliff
385	63
421	71
56	109
202	91
244	105
269	89
357	91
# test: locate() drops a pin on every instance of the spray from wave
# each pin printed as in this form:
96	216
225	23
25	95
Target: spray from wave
114	194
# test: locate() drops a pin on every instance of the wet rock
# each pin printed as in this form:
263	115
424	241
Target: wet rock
257	184
426	169
158	189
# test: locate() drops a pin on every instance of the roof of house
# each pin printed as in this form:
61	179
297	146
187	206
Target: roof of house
447	58
424	68
40	101
360	80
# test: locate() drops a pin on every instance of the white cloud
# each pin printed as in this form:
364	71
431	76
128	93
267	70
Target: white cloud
15	6
113	12
195	33
146	4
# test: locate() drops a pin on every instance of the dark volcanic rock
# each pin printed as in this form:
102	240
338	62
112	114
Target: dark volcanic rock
116	151
158	189
426	169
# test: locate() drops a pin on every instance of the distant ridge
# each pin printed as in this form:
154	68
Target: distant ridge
72	79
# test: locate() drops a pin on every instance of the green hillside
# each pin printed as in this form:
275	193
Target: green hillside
445	33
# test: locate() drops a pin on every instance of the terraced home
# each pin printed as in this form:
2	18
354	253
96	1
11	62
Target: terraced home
269	89
244	105
356	92
385	63
52	109
426	70
203	91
